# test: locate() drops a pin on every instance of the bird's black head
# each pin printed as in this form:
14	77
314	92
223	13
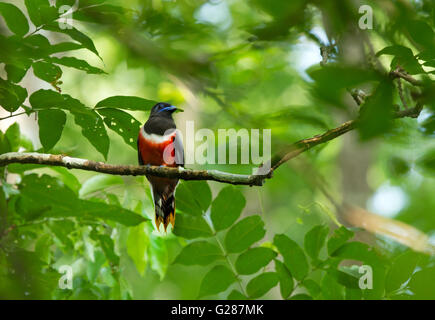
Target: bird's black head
162	109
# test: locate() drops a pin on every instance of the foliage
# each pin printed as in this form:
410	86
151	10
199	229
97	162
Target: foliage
239	69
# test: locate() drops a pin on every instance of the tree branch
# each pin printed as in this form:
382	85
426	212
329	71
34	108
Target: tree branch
305	144
128	170
188	174
397	73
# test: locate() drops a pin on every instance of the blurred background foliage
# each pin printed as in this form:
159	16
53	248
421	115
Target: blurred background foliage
286	65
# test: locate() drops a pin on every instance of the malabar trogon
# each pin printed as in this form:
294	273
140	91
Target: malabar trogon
160	144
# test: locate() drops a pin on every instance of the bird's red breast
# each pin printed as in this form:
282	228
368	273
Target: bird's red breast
152	148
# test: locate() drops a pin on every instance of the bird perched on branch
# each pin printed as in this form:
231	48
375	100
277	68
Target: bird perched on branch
160	144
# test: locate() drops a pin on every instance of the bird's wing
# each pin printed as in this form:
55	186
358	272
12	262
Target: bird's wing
139	157
179	149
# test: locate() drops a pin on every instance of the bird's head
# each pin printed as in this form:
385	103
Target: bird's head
162	109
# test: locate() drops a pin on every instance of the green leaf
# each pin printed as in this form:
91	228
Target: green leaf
122	123
421	33
349	279
137	247
312	287
261	284
93	129
16	74
51	123
286	284
227	207
46	99
428	125
4	144
64	46
42	248
47	71
11	96
127	103
421	284
46	196
69	179
344	77
75	34
39	195
362	252
338	238
108	247
401	270
314	240
99	182
244	234
77	64
355	250
191	227
38	45
353	294
254	259
91	209
13	135
199	253
294	258
193	197
216	280
107	14
376	113
94	267
61	231
91	123
331	289
40	11
236	295
14	18
403	58
158	254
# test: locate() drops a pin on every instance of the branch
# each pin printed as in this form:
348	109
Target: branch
188	174
13	115
306	144
128	170
397	73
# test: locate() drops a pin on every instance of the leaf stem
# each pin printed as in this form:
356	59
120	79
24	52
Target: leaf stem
233	269
16	114
225	253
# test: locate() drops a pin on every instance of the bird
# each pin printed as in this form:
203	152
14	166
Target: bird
160	144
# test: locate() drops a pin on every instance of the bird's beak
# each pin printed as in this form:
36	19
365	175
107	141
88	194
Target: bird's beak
171	109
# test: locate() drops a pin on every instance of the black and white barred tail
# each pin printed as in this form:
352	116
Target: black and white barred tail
164	210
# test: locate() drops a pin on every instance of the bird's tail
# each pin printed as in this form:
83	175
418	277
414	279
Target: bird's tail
164	210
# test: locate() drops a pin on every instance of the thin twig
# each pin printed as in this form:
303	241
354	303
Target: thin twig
17	114
402	74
